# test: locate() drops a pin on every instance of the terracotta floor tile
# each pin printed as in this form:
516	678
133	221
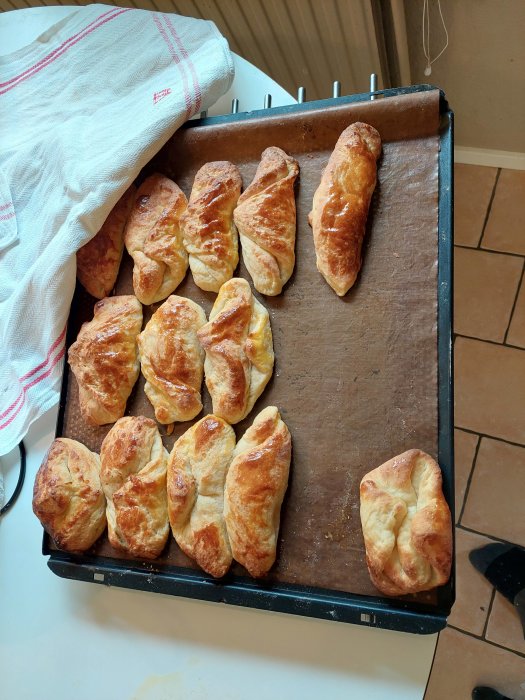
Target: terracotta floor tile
516	334
473	591
505	228
504	625
473	186
464	449
462	662
485	286
490	389
494	503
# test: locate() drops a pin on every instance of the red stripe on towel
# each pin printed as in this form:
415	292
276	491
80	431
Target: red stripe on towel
34	371
31	384
20	396
44	363
177	61
59	52
48	372
185	55
49	55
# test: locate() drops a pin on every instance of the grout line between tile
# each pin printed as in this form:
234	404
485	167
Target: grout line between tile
471	473
492	342
490	437
489	208
489	250
484	534
431	665
514	306
488	615
487	641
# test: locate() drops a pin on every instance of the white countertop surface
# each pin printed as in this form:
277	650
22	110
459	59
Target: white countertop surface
65	639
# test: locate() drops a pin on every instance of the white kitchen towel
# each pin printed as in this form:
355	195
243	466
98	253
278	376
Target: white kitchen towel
82	110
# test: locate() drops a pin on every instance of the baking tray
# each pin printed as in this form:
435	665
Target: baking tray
357	379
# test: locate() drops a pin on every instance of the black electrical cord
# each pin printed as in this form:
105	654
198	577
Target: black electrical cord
20	481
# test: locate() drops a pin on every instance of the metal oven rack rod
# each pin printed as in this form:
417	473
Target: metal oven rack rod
301	95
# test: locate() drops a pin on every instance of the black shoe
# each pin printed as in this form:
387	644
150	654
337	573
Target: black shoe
484	693
504	566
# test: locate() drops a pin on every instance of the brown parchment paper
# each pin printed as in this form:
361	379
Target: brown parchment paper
355	378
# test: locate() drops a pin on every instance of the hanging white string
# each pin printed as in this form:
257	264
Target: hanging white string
426	35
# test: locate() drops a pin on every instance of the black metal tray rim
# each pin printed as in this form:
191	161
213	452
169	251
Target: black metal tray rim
382	613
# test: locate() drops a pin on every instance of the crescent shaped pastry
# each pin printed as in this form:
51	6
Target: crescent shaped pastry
210	236
153	238
133	474
255	488
172	359
197	469
266	219
239	351
341	203
104	359
98	261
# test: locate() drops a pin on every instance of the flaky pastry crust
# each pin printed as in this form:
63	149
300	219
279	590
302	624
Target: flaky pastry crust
67	495
210	236
153	238
255	486
239	350
133	475
172	360
197	469
406	525
104	358
266	219
98	261
340	205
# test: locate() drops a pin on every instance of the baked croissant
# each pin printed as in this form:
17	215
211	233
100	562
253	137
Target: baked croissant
239	350
104	359
67	496
98	261
133	474
197	469
153	238
266	219
172	359
210	236
341	203
406	525
255	486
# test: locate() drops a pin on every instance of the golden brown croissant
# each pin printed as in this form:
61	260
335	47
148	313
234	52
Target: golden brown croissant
341	203
197	469
239	350
68	498
172	359
104	358
153	238
406	525
133	475
98	261
210	236
255	486
266	219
